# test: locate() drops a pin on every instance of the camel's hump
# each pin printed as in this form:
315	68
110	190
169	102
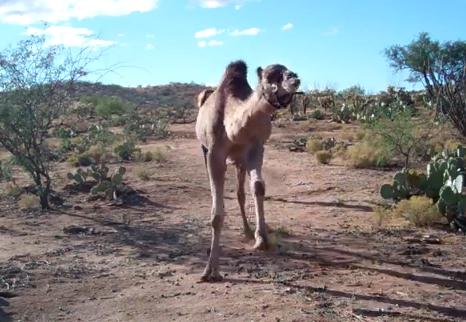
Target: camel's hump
235	81
237	69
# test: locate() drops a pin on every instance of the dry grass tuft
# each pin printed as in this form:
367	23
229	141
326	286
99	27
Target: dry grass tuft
367	155
417	211
143	172
28	202
323	157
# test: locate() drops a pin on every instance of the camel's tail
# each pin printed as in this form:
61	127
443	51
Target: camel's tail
203	96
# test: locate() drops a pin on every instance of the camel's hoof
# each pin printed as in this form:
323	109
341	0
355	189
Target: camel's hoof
261	243
211	277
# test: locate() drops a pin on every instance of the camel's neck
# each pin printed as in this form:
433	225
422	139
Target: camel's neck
252	121
257	106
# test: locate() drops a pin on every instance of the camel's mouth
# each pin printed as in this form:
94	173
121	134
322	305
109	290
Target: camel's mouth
285	99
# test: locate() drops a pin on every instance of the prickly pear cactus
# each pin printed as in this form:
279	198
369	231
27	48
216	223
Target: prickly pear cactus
111	185
79	177
444	183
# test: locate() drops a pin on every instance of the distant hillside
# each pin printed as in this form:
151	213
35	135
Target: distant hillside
171	95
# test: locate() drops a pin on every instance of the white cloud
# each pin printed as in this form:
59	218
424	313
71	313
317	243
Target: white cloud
149	46
214	4
69	36
210	43
209	32
245	32
333	31
27	12
287	27
121	35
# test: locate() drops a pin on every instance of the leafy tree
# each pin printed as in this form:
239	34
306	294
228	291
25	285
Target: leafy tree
36	87
441	67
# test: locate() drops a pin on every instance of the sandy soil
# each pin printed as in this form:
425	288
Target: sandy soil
142	262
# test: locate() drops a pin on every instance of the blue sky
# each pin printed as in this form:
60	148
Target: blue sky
147	42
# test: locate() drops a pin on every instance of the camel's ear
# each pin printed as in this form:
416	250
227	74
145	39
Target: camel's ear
259	73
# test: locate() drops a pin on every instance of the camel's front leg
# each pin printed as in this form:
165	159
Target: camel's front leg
258	192
216	167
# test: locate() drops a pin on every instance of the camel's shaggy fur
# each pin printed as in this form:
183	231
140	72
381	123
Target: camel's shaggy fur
233	123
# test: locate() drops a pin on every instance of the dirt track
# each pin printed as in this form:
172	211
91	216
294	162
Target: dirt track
143	262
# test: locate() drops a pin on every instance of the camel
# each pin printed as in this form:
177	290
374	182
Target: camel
232	125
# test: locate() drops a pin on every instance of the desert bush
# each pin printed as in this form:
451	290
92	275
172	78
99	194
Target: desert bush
127	150
323	156
79	160
28	202
64	133
36	85
98	154
6	170
99	134
107	106
143	125
401	135
317	114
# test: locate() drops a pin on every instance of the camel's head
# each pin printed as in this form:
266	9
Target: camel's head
278	84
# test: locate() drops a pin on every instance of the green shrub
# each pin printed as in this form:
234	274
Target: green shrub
107	106
63	133
141	126
6	171
127	150
317	114
400	134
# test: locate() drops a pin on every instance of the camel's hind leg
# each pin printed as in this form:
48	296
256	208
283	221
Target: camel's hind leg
216	168
241	177
258	191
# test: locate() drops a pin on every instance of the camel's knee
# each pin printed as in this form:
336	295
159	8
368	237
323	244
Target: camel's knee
259	188
217	221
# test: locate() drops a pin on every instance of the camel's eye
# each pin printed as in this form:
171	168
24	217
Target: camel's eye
275	76
289	74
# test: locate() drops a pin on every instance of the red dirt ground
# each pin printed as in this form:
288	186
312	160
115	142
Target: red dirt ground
143	262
